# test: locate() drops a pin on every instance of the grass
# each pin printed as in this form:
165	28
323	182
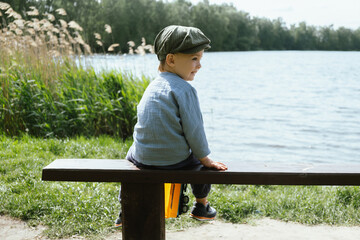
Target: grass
89	209
303	204
66	208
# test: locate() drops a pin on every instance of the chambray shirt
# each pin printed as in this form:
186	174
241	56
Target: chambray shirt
170	124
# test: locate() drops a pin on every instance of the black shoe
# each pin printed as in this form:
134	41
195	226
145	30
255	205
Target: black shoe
203	213
118	222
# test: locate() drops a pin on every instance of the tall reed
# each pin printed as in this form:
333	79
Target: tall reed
45	93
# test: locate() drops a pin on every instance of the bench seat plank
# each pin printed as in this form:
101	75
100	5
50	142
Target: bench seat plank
143	189
119	170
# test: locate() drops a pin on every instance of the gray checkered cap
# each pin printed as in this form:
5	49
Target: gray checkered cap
180	39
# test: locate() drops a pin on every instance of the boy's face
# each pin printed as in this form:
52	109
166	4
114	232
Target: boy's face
187	65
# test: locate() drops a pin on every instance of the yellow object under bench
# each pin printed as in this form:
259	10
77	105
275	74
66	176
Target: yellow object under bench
175	200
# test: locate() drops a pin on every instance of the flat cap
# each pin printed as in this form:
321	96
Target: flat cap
180	39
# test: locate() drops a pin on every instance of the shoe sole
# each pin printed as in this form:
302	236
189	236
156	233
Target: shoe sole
202	218
118	225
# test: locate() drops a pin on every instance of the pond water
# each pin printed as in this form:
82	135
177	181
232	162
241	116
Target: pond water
273	106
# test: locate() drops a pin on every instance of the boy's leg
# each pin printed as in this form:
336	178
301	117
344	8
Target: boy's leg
201	190
202	210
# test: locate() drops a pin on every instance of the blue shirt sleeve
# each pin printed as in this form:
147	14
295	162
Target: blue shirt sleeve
192	123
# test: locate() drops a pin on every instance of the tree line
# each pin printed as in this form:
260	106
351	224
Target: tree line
228	28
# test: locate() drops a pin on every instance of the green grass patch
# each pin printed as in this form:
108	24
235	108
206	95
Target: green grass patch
66	208
332	205
89	209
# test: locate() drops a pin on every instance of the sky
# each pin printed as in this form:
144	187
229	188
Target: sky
338	13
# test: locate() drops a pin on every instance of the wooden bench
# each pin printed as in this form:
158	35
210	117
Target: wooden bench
143	190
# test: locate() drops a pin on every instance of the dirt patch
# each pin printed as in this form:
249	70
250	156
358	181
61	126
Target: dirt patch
266	229
12	229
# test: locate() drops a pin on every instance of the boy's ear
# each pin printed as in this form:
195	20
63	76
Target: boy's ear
170	59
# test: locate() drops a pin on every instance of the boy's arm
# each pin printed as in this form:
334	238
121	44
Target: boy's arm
193	127
192	123
207	162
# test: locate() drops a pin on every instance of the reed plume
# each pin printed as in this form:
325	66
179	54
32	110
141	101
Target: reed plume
108	29
61	11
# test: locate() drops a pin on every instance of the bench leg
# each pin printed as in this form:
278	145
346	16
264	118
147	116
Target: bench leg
143	211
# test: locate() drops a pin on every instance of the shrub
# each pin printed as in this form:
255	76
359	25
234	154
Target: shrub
45	93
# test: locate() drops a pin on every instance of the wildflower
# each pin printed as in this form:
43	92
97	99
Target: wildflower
140	50
46	25
75	26
4	6
131	43
36	24
63	23
50	17
113	46
18	31
108	28
61	11
11	13
19	23
31	31
33	12
87	48
79	39
143	41
97	36
55	30
98	42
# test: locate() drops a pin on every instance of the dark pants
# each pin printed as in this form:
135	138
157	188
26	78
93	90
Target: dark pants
199	190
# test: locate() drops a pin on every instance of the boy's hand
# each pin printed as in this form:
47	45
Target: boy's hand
207	162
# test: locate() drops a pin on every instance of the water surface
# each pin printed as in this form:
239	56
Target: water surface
273	106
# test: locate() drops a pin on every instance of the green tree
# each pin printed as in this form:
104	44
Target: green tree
356	39
266	34
328	38
345	39
242	31
304	37
177	13
283	38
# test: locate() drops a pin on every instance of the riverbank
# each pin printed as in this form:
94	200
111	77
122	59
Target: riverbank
259	229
